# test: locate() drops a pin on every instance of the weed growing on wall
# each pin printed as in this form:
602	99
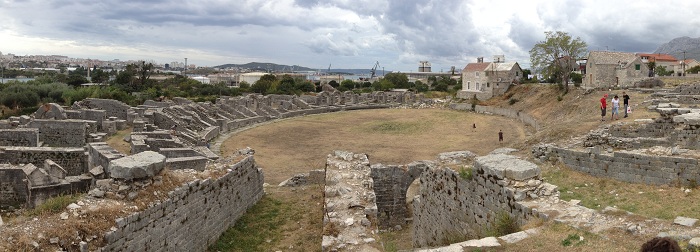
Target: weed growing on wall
502	224
465	173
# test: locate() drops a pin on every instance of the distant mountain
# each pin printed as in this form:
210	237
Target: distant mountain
677	46
265	67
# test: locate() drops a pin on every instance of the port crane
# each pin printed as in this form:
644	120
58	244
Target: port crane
374	70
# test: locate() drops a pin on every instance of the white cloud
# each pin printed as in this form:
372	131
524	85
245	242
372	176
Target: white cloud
348	33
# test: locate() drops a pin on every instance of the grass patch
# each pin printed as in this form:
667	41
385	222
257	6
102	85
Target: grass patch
502	224
573	240
465	173
54	205
398	127
117	142
254	229
640	199
561	237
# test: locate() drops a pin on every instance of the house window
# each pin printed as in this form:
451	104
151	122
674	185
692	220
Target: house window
637	67
477	74
486	74
488	84
478	86
469	83
517	73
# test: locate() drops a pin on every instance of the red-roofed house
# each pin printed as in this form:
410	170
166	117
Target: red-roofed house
665	60
687	64
488	79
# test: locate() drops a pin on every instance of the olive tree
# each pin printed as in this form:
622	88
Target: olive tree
554	56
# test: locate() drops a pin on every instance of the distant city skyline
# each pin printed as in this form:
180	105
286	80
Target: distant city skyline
345	34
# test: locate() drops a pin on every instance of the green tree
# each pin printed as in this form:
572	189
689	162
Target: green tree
334	84
99	76
577	78
398	80
76	80
348	84
661	71
421	87
286	85
693	70
305	86
261	86
554	55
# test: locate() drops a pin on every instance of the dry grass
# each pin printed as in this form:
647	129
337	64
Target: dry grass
663	202
560	237
390	136
117	141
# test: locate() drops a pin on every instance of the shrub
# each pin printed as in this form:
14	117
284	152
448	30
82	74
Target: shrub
512	101
503	224
465	173
54	205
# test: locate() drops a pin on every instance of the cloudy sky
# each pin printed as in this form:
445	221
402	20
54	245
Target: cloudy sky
344	33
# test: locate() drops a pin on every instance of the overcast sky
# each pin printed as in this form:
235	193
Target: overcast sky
344	33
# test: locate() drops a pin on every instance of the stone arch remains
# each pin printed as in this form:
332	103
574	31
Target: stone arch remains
391	182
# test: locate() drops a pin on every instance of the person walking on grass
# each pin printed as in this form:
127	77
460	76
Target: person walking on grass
603	106
626	102
615	115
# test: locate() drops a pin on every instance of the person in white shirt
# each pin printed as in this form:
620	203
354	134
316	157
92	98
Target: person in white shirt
615	115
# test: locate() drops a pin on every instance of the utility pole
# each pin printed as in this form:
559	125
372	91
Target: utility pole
683	63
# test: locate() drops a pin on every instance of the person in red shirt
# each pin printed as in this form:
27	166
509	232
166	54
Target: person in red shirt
603	105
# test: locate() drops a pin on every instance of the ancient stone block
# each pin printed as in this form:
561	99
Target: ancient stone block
141	165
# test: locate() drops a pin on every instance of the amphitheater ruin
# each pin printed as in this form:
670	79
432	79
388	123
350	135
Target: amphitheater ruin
60	150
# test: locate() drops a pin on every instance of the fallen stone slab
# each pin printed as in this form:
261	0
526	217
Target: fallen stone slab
693	244
518	236
141	165
507	166
684	221
487	242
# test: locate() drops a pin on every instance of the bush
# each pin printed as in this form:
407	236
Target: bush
54	205
465	173
503	224
512	101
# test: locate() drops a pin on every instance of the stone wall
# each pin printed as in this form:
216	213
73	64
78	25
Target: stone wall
519	115
13	187
19	137
194	216
452	208
111	107
61	133
625	166
73	160
390	186
71	185
100	153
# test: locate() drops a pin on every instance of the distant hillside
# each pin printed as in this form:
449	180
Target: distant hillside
260	66
676	46
264	67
